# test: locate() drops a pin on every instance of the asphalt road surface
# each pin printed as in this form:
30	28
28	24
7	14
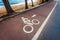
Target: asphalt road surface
52	28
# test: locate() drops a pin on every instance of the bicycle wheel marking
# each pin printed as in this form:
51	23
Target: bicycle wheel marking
35	21
24	29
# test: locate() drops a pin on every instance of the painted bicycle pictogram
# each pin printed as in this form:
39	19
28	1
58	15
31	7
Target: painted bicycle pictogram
29	23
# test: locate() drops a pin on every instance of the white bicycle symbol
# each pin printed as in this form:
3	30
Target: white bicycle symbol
30	24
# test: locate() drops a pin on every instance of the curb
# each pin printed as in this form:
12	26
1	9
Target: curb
20	12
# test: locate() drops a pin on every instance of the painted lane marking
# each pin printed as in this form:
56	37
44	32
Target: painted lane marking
26	30
43	24
29	23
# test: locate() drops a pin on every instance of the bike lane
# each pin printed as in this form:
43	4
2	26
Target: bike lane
12	29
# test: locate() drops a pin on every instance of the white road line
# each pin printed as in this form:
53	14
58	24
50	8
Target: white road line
43	25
